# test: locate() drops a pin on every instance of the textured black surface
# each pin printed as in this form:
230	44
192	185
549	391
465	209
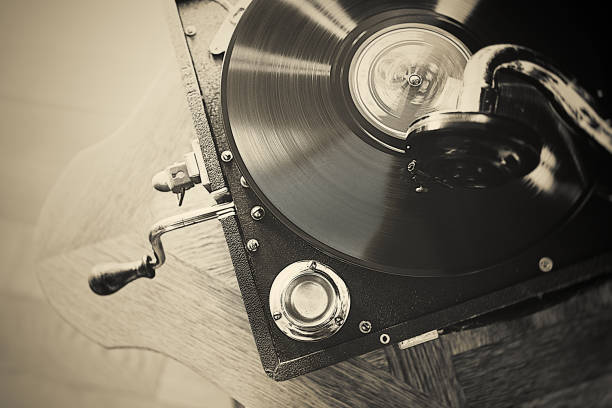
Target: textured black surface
399	306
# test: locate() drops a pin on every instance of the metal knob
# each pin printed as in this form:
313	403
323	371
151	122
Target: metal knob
108	278
309	301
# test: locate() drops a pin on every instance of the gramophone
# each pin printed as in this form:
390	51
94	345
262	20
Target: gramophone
390	170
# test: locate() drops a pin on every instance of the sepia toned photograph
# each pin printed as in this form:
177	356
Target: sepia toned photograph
305	203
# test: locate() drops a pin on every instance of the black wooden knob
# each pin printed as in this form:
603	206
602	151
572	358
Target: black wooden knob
109	278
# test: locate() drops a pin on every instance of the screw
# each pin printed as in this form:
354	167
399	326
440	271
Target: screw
365	326
384	338
252	245
227	156
257	213
338	320
312	265
546	264
415	80
243	182
277	316
190	30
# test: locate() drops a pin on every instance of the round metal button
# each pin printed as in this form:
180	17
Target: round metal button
309	301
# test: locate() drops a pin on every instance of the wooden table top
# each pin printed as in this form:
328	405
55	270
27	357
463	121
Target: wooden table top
101	209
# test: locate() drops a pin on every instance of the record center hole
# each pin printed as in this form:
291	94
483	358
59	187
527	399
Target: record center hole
415	80
403	72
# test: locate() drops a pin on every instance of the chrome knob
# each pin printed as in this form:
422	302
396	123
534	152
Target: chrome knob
309	301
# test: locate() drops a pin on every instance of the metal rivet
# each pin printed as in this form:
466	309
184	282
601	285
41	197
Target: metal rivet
408	147
277	316
545	264
384	338
190	30
257	213
243	182
252	245
365	326
227	156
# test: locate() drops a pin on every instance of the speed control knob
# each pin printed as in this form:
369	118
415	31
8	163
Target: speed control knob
309	301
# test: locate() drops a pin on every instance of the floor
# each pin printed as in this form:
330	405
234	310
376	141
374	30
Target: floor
71	72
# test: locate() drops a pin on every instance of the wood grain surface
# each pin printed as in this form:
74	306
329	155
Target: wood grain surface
101	209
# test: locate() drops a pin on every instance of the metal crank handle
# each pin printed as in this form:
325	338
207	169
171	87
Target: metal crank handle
107	279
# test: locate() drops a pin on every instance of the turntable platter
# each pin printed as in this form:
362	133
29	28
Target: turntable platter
316	97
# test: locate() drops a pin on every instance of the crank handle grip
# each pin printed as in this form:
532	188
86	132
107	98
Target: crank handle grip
108	278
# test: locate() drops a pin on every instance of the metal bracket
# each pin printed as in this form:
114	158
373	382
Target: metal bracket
181	176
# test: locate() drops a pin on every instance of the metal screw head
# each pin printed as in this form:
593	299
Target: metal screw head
338	320
227	156
252	245
546	264
415	80
257	212
384	338
243	182
190	30
277	316
365	326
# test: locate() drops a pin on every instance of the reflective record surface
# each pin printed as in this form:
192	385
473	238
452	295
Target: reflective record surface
316	96
405	71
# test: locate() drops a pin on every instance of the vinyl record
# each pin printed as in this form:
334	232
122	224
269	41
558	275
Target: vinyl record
317	96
